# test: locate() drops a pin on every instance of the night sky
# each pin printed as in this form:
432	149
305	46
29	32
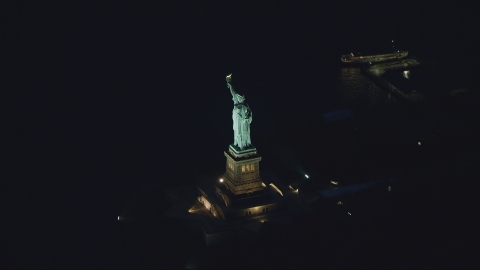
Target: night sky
101	102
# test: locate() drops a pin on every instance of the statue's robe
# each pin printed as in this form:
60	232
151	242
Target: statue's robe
242	117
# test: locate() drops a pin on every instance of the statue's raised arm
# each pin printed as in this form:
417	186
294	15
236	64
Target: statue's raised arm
234	94
241	116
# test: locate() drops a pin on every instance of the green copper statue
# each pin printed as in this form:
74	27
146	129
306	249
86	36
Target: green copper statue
242	117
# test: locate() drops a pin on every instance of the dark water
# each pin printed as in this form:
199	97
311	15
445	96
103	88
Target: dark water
103	104
357	90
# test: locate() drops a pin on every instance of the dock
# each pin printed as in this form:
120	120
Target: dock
379	73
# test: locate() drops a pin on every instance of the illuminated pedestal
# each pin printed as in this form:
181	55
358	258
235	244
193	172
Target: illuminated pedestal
242	174
242	192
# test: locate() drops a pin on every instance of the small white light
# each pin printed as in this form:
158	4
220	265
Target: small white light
118	218
419	143
221	180
306	175
349	213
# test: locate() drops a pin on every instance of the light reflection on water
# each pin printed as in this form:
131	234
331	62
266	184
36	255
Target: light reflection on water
358	91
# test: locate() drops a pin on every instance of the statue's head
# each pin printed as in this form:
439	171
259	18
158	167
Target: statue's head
240	98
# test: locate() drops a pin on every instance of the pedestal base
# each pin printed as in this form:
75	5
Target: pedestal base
242	192
225	205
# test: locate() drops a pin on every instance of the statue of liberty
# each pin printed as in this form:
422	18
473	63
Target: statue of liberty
242	117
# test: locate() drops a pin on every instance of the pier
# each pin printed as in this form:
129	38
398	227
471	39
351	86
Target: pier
379	73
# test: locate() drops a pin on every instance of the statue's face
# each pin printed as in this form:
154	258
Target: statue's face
240	98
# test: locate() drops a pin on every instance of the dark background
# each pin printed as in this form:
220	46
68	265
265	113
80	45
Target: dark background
101	102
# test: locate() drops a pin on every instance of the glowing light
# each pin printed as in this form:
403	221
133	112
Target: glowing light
221	180
419	143
276	188
306	175
334	182
389	188
339	202
193	209
349	213
118	218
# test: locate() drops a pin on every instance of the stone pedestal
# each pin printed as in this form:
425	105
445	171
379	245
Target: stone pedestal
242	192
242	174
